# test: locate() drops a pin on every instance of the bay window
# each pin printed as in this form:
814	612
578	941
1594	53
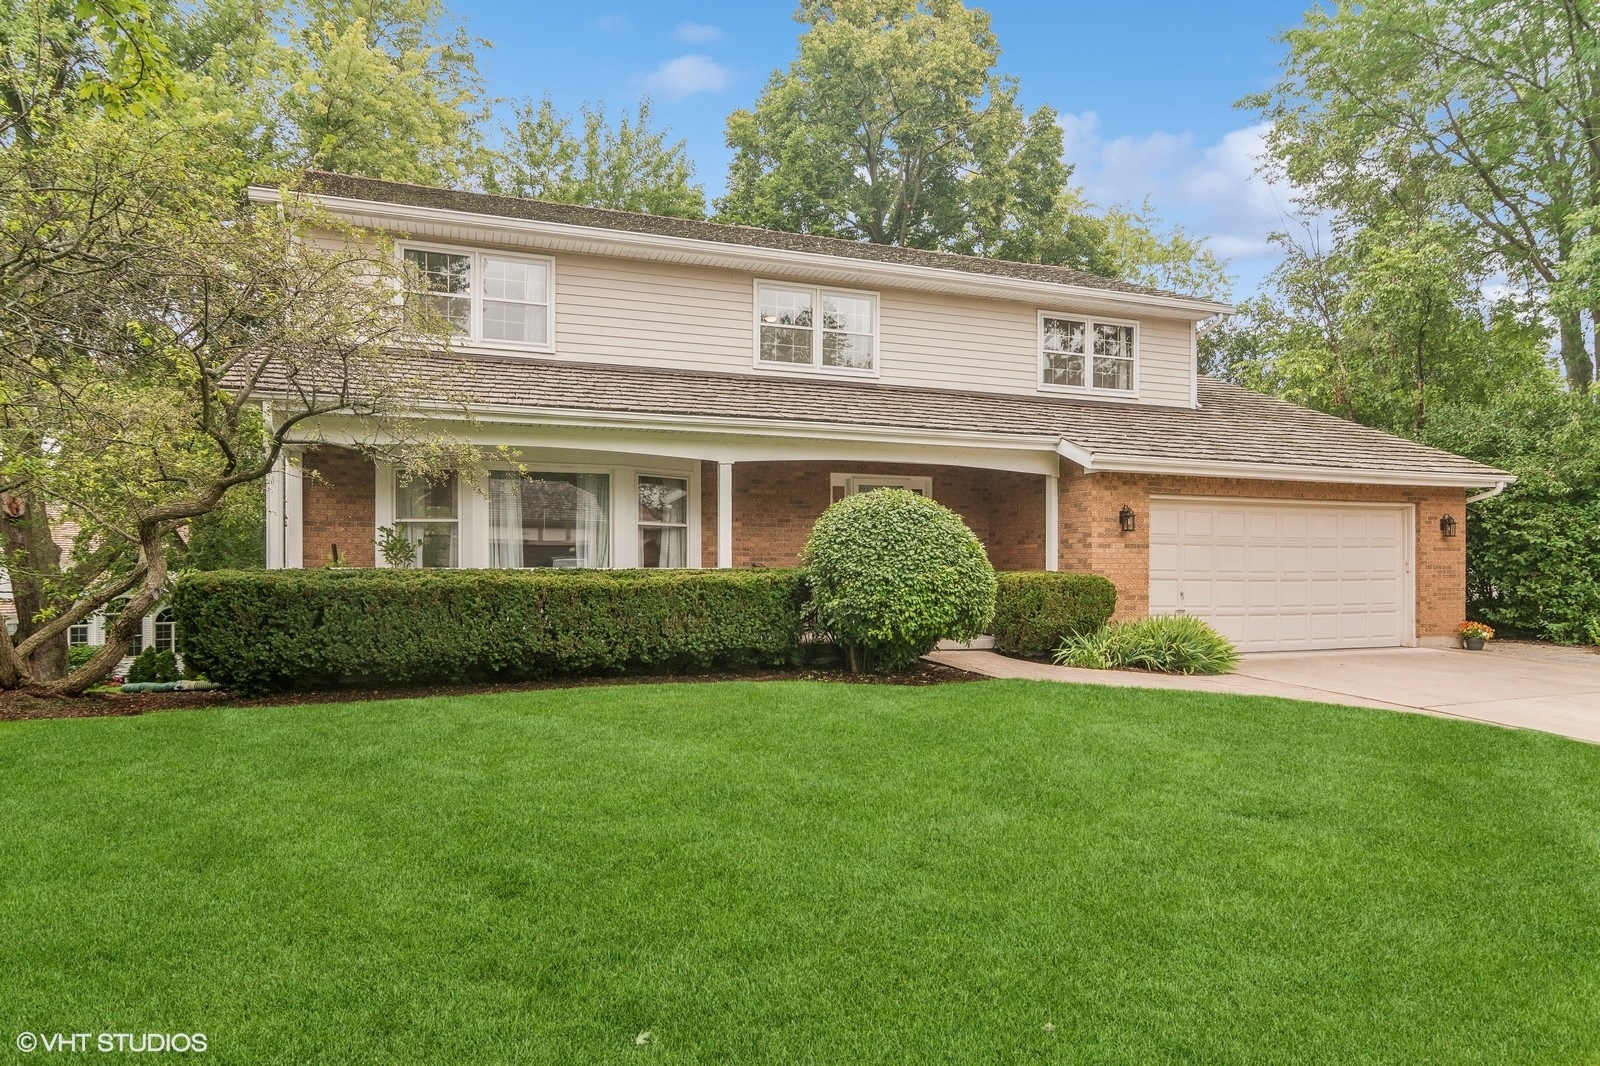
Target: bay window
487	297
426	513
827	329
557	520
1087	354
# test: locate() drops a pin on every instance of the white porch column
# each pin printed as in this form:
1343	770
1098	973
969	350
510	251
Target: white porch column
294	555
1052	522
275	516
724	515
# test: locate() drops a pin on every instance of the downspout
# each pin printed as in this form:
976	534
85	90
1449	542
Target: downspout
1491	494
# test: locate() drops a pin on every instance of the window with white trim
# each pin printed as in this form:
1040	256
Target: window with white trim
663	521
166	631
426	513
549	519
78	635
824	329
487	297
850	484
1079	352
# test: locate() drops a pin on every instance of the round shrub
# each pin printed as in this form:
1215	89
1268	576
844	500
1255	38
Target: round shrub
1034	611
893	573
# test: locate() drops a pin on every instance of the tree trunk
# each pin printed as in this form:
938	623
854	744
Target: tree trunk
129	619
31	555
1575	358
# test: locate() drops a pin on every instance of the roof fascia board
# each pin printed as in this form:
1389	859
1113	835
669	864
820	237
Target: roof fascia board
1275	471
746	257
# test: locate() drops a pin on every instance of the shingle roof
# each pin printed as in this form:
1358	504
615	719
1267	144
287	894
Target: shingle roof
394	192
1231	426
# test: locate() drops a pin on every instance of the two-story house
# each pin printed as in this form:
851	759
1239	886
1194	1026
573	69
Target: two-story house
683	393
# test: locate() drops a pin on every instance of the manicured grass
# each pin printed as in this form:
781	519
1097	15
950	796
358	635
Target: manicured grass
803	872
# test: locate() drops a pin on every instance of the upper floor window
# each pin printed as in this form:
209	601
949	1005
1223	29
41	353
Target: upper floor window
827	329
488	297
1088	354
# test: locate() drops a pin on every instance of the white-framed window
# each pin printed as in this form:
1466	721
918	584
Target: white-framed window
549	519
495	299
428	514
805	326
165	633
113	611
850	484
1082	353
663	521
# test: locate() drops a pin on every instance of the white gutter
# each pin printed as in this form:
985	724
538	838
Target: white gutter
1093	464
1492	493
746	257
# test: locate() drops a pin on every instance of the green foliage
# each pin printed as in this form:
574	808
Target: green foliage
233	537
1034	611
152	665
1146	251
1167	644
1533	552
626	167
79	654
396	548
893	573
891	126
308	628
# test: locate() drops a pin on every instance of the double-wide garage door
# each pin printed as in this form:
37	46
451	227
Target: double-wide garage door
1279	576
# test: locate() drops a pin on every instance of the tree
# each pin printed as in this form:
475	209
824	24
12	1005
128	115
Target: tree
1144	251
625	167
145	314
891	126
1495	102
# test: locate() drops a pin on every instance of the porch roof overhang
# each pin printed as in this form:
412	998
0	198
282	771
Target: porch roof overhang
1233	433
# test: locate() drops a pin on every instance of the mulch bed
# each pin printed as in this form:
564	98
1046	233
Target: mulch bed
22	706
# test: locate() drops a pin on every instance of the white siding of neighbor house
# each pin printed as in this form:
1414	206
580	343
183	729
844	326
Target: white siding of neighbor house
645	313
655	314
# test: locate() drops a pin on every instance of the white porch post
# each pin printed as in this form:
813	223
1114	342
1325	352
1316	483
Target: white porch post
294	556
275	516
724	515
1052	522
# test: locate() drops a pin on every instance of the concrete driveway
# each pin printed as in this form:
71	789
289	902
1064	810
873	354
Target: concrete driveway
1526	686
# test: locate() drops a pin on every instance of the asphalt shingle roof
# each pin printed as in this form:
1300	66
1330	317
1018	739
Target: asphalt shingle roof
477	203
1232	425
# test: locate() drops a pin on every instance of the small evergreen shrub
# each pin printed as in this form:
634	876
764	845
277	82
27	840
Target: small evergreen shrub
1168	644
1034	611
256	631
152	665
79	654
893	573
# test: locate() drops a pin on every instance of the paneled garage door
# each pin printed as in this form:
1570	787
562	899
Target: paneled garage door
1276	576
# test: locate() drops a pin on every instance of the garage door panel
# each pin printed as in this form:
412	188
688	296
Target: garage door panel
1283	575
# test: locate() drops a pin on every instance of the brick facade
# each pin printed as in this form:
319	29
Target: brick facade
776	504
1092	541
339	504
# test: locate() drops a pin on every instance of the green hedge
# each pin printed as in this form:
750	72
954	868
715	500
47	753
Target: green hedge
257	631
1034	611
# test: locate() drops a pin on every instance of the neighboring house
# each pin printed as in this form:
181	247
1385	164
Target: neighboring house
683	393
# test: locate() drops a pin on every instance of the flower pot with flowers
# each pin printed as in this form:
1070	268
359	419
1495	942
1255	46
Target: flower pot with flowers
1473	634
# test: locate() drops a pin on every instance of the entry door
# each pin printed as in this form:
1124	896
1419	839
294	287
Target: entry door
1280	576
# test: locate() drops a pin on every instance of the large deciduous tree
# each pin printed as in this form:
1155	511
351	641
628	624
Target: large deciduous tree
1495	102
892	126
145	314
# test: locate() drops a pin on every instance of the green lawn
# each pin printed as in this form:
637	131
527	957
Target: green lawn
804	872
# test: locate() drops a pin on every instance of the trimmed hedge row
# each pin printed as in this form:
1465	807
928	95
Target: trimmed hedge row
256	631
1035	610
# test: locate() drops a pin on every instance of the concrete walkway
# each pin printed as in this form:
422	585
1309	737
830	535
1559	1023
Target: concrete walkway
1526	686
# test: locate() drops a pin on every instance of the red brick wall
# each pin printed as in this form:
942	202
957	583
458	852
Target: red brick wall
1092	541
708	514
339	504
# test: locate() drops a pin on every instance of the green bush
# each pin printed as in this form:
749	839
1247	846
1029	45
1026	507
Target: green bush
79	654
1034	611
894	573
1168	644
255	631
152	665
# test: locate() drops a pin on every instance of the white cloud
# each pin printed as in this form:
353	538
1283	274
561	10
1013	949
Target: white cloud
697	33
687	75
1214	189
615	24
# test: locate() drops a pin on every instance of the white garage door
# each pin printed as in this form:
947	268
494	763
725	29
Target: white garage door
1274	576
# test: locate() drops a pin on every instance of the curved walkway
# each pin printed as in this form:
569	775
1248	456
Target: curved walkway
1525	686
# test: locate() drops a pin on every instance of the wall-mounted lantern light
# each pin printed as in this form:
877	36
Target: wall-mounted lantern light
1125	519
1447	525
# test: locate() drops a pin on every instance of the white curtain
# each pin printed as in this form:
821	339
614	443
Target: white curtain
593	519
505	521
674	547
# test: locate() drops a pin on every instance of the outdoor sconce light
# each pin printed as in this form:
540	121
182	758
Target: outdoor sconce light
1125	519
1447	525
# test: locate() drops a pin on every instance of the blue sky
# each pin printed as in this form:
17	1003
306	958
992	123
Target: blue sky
1145	87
